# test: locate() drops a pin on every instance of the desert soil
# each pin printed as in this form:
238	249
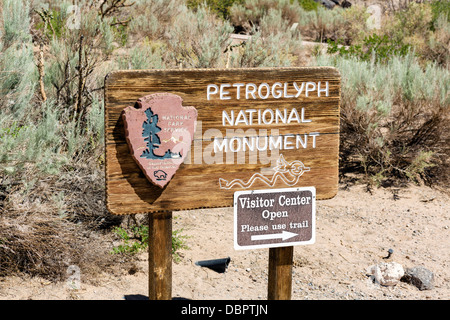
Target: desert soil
354	231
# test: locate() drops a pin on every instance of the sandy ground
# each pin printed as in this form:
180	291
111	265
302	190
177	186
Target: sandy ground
354	230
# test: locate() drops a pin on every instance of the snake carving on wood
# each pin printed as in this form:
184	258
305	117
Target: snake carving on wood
295	169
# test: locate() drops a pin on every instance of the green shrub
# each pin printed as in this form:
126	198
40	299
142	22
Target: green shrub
220	7
52	24
315	21
440	8
249	15
263	48
381	48
198	39
424	27
393	116
16	22
133	241
437	46
309	5
42	137
136	239
415	20
346	25
50	156
18	74
146	55
72	59
410	26
156	20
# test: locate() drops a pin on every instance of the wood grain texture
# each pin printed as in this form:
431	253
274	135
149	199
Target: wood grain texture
160	256
196	183
280	273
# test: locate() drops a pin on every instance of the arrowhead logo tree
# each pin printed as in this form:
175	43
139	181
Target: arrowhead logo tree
159	132
150	135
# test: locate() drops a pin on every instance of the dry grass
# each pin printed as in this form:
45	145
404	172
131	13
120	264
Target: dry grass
57	223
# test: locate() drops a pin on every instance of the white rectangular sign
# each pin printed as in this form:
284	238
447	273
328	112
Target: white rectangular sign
274	218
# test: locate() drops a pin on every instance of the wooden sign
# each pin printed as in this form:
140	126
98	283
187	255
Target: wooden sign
274	218
259	128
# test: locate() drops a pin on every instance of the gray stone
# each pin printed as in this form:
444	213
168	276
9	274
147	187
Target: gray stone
420	277
346	4
326	3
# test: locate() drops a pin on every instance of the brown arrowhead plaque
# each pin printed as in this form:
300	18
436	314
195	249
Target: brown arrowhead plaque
159	132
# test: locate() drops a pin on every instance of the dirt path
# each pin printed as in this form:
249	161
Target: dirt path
354	231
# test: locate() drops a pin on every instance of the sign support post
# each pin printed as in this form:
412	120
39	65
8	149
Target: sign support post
160	256
280	273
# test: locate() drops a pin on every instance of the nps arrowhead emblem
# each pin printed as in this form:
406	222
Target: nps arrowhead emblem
159	132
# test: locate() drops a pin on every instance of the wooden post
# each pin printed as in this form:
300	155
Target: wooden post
280	273
160	256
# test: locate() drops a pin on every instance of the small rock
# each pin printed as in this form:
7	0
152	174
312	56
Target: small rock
420	277
346	4
326	3
386	274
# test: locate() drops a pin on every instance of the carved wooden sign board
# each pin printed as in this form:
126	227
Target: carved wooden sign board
189	139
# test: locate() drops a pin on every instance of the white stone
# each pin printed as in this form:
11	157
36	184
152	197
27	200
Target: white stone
386	274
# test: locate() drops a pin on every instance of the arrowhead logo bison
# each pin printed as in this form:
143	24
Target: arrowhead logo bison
159	132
